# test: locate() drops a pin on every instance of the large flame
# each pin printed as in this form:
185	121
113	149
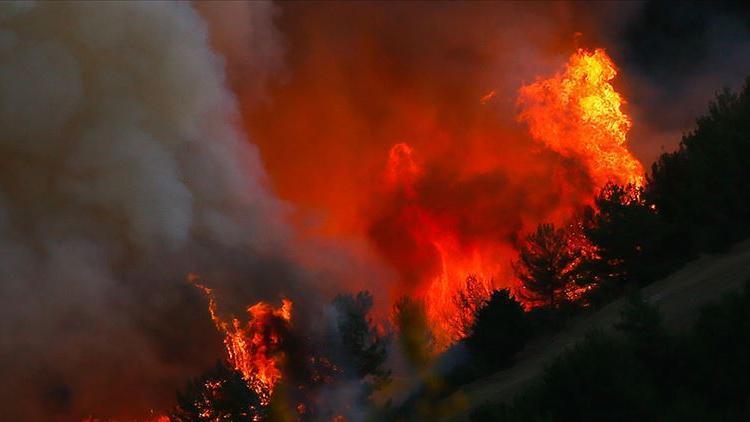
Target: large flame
577	113
436	232
254	349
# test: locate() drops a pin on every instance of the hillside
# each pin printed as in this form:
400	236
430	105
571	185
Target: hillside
678	296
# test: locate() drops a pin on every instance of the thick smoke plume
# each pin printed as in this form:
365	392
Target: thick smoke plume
123	168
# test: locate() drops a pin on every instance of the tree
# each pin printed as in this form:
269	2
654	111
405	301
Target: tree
468	301
364	347
500	329
219	394
626	233
703	189
414	333
549	266
641	323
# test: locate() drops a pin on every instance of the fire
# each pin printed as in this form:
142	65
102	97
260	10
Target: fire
577	113
431	231
254	349
486	98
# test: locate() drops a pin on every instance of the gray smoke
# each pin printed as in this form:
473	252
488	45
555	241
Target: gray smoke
122	167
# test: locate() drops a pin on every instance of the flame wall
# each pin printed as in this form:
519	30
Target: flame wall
363	78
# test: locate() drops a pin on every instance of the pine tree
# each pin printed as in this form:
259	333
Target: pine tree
364	347
549	266
500	329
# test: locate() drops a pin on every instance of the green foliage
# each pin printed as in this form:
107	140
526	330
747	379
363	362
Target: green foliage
500	330
548	264
219	394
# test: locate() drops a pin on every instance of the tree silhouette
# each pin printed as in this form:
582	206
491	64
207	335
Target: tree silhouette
626	233
549	266
703	189
468	301
414	333
500	329
364	347
220	394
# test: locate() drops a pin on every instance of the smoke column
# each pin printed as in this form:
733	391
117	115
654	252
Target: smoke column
122	168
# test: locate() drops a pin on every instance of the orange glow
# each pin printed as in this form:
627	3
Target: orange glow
160	418
486	98
577	113
254	349
456	260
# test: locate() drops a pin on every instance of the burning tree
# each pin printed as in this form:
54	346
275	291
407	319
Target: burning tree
467	303
255	348
220	394
550	266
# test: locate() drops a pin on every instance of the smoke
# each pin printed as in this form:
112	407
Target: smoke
125	164
245	33
123	167
673	60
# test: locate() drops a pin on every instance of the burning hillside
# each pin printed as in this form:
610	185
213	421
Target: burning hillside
318	164
447	225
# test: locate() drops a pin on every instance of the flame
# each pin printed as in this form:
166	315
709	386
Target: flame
431	231
577	113
254	349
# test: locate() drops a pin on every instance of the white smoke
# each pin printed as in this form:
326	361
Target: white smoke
120	157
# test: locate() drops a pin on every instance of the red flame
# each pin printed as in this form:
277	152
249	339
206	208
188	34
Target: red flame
577	114
435	232
254	348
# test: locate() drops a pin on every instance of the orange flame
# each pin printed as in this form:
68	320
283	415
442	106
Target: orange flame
255	348
457	261
577	114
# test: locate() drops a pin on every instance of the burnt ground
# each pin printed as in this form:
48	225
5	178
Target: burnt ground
678	296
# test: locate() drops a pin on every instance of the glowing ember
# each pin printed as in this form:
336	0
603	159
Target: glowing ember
255	348
577	114
486	98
